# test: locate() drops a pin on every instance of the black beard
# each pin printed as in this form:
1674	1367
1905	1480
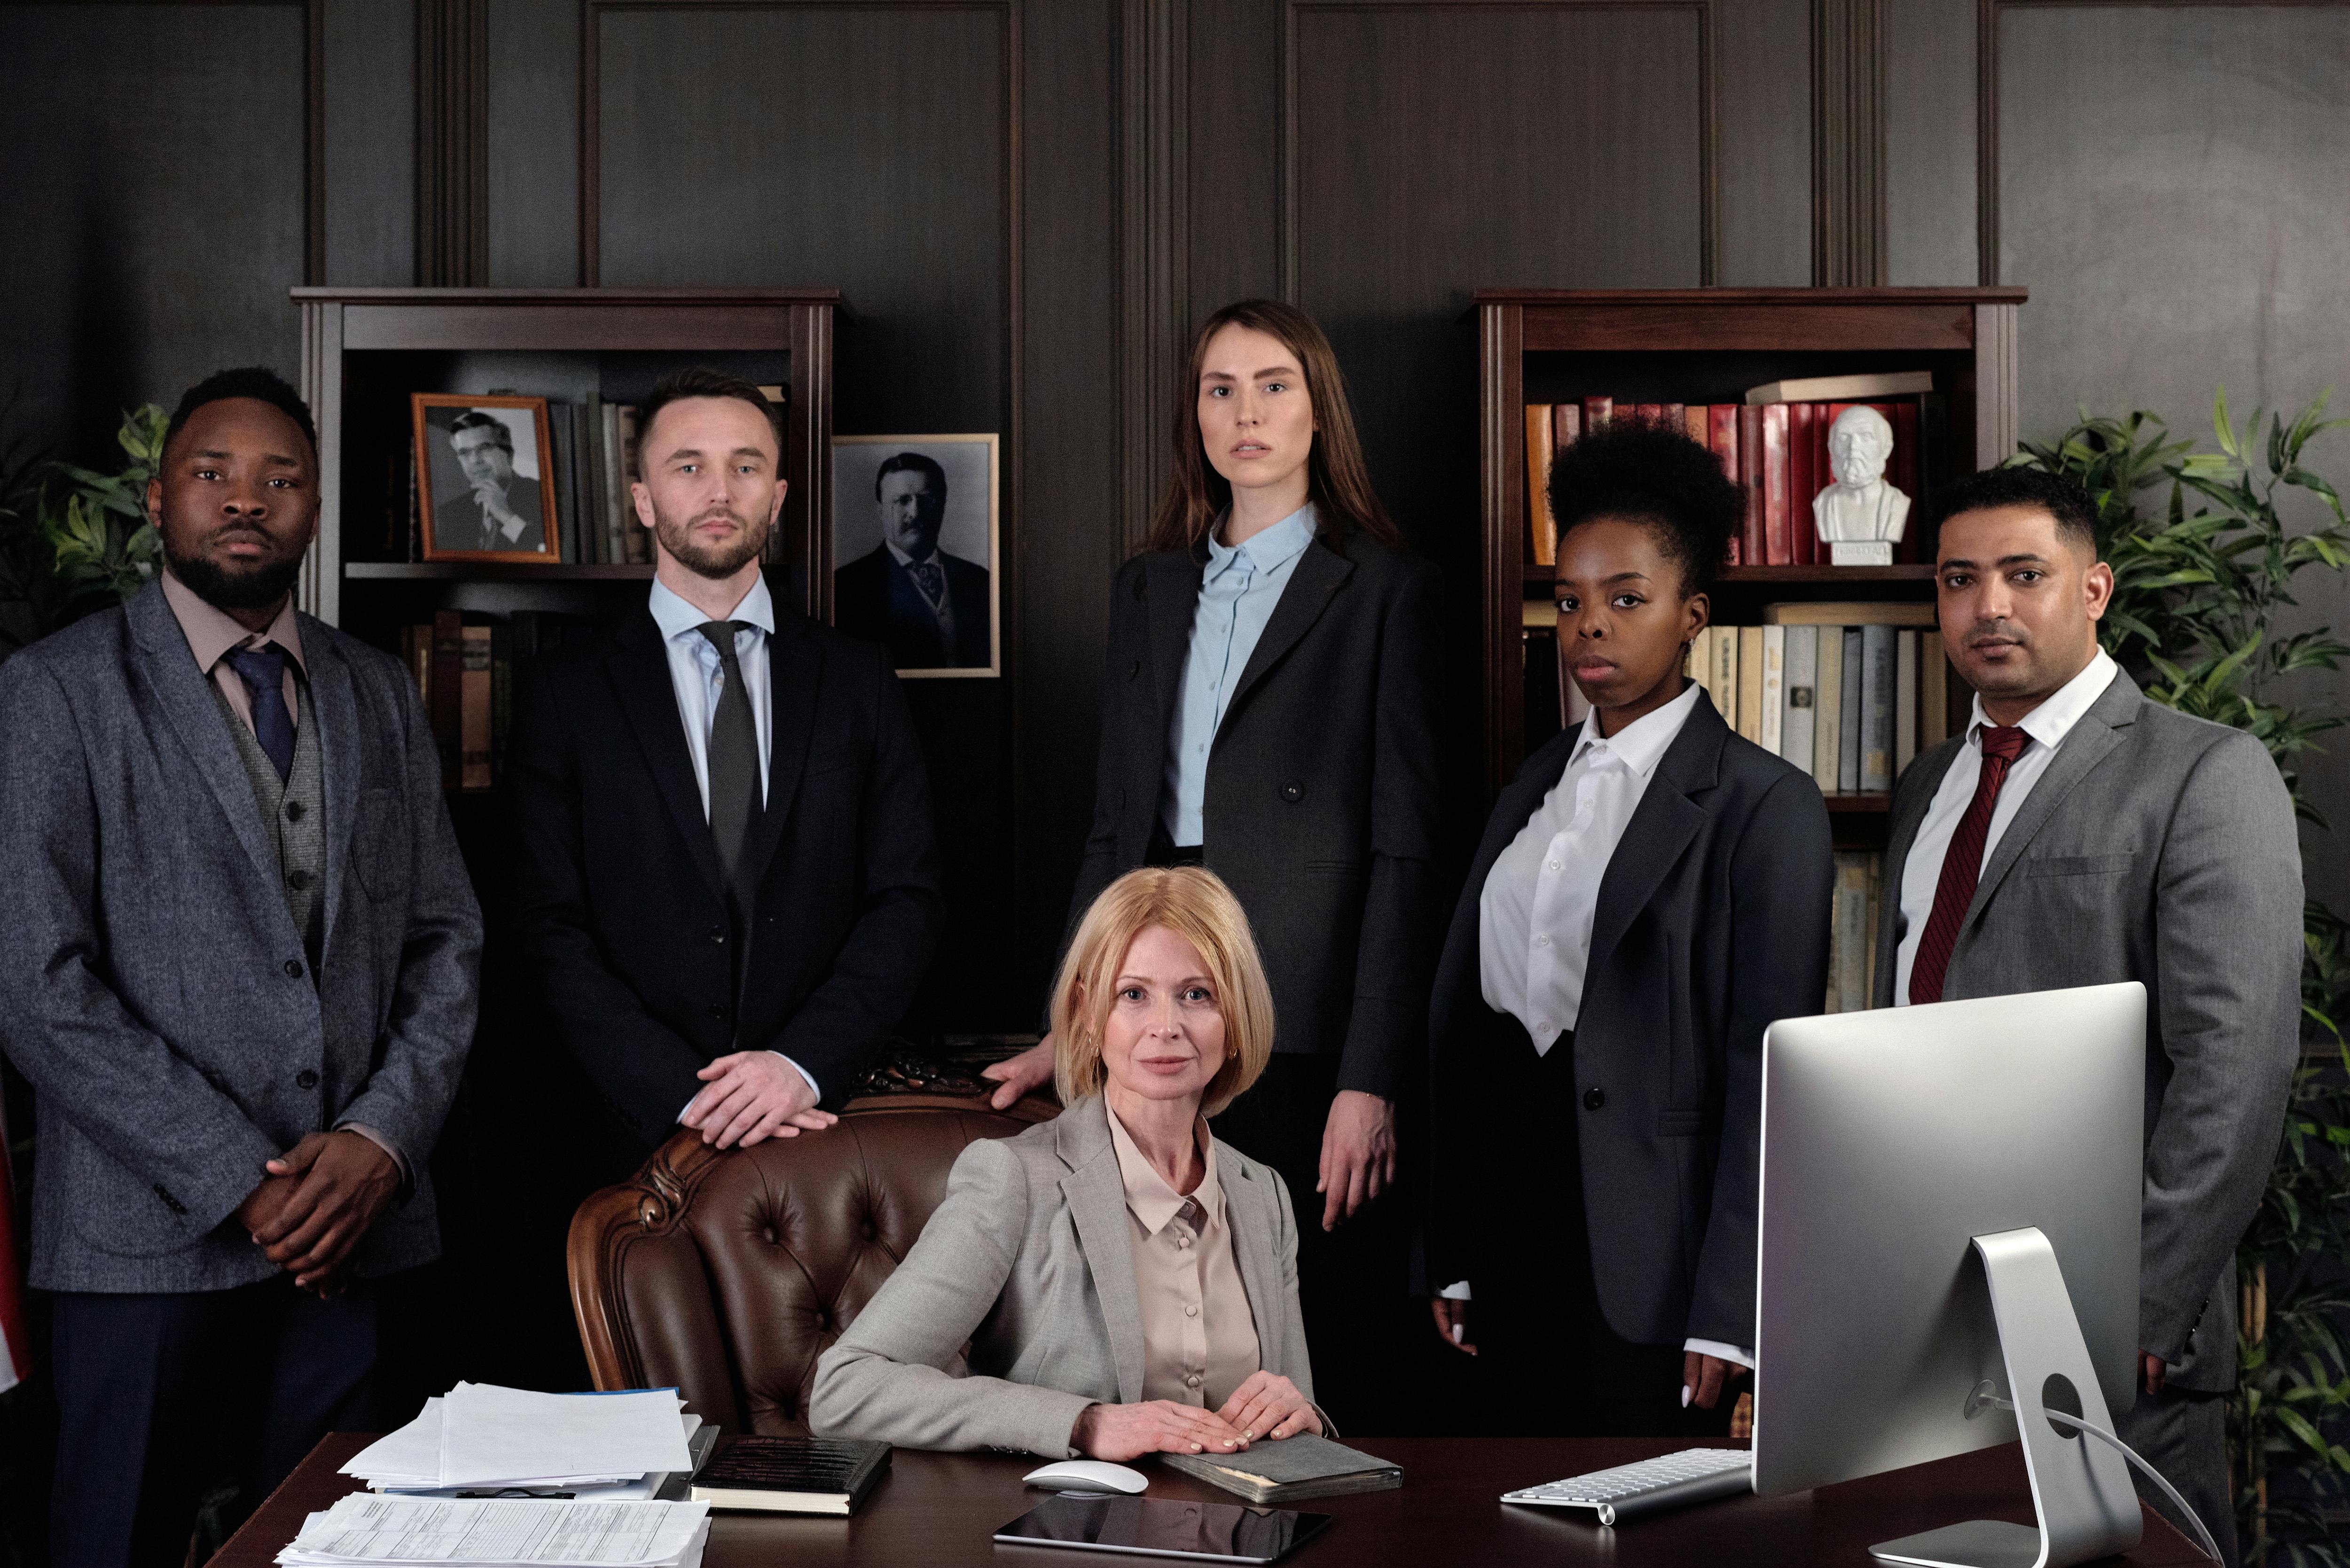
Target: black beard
256	588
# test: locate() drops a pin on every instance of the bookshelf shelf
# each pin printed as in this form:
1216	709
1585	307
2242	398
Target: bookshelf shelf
490	572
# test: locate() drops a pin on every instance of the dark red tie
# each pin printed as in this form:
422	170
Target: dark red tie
1961	865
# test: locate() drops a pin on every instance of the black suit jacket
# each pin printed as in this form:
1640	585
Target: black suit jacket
619	911
1321	788
1712	921
874	597
459	524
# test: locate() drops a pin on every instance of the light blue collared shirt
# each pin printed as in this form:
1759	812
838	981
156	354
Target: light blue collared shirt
696	674
1237	595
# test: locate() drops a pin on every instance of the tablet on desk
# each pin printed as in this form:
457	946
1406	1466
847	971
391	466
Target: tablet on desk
1161	1527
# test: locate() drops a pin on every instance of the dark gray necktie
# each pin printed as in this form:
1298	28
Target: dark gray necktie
262	670
735	795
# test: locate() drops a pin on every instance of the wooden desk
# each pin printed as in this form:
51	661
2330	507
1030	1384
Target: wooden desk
940	1509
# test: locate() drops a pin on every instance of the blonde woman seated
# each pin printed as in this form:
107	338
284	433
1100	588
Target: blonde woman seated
1113	1283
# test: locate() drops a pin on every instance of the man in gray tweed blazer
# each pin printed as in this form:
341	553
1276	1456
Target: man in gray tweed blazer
2076	833
240	975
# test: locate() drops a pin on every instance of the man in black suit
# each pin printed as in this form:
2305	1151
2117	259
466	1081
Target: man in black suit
500	510
930	608
727	883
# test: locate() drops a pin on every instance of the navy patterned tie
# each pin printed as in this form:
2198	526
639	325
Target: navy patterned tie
931	579
262	670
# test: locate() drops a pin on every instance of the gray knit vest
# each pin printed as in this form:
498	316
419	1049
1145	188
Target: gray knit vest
294	812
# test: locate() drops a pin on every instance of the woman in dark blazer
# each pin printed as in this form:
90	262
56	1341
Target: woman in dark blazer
1651	892
1270	711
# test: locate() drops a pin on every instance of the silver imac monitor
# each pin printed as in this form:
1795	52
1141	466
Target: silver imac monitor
1949	1214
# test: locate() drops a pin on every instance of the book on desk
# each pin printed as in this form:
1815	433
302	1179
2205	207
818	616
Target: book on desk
1295	1470
791	1475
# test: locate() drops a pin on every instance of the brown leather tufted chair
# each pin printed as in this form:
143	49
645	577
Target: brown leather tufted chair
728	1275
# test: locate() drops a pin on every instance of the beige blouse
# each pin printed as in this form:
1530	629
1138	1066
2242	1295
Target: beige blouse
1199	1336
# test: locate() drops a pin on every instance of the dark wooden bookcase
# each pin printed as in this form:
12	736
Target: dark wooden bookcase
1709	346
364	350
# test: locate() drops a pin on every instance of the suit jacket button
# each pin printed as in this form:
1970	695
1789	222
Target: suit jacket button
294	969
718	1013
293	811
298	881
1594	1097
1293	793
717	933
305	1079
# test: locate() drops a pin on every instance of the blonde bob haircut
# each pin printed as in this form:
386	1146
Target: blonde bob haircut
1195	905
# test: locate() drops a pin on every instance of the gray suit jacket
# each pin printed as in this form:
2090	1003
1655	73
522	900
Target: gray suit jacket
153	986
2158	848
1017	1307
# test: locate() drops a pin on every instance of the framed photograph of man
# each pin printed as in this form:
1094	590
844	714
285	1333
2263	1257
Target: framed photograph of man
915	550
484	473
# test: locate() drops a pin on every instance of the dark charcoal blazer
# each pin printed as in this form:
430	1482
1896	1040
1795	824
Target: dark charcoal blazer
153	985
1322	787
1712	921
873	596
2158	848
619	910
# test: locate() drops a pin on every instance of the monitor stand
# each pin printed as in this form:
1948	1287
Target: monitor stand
2080	1488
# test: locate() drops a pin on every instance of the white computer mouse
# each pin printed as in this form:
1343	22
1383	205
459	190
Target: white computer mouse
1087	1475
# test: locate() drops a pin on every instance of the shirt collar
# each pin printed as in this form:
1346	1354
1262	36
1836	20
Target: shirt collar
903	559
1641	744
678	618
1152	1200
212	631
1268	549
2051	721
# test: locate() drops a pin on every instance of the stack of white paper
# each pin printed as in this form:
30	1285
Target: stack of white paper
483	1438
390	1532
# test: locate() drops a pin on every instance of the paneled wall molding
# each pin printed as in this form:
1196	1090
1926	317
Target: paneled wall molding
1154	244
452	143
1849	235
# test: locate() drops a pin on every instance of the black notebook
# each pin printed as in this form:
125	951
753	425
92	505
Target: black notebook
790	1475
1291	1469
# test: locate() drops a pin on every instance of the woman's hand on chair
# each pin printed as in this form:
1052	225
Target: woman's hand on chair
1017	1075
1153	1427
1269	1405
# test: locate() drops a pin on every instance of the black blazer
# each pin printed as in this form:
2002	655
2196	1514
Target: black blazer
1712	920
1322	787
619	911
874	597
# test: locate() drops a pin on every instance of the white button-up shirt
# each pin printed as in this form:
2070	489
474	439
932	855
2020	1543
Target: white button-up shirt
1921	873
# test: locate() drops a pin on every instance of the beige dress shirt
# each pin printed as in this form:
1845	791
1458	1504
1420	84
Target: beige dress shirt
1199	1336
211	632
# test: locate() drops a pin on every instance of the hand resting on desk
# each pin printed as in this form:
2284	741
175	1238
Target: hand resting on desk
1266	1406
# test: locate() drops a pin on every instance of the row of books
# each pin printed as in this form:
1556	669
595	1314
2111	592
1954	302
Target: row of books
465	671
1776	452
1852	930
1845	691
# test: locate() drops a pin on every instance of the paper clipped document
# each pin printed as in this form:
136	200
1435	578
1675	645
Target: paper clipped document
368	1529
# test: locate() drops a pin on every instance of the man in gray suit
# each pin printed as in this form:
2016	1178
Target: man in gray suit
240	975
2076	833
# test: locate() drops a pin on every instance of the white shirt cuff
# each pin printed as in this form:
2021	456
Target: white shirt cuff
398	1160
1721	1352
1457	1291
814	1087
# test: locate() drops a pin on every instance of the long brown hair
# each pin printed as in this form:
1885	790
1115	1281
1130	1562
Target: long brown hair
1337	483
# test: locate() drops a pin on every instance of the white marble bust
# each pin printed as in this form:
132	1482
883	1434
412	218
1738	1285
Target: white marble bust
1860	516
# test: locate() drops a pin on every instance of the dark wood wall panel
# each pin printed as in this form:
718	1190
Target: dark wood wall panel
1763	138
1929	142
158	204
533	127
368	107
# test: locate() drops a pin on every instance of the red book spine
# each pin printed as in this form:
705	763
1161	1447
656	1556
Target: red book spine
1722	436
1777	537
1565	425
1801	486
1753	543
1648	413
1596	411
1903	471
1823	475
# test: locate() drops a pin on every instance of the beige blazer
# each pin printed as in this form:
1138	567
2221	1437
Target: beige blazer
1016	1309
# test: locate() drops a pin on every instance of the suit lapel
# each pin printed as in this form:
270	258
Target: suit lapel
2097	734
1319	573
1171	596
185	695
1249	1216
1095	1194
1910	800
1663	827
638	667
793	668
335	708
1457	968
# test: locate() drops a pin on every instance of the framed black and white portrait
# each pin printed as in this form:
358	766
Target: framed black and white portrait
485	470
915	550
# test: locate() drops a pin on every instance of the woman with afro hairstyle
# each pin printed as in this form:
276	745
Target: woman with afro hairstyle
1651	892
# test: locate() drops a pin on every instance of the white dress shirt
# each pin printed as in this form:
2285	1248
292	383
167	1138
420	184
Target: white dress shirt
1533	917
697	675
2046	727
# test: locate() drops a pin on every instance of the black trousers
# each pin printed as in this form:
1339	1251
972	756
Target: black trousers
161	1395
1550	1364
2185	1435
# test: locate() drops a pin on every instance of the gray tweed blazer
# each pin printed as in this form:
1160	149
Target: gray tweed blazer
1016	1309
153	986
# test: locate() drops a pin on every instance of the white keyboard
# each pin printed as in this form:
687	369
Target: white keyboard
1670	1481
